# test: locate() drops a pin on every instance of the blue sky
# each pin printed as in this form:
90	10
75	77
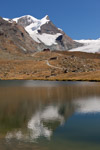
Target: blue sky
80	19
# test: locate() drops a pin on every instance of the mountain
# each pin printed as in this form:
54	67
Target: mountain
15	39
28	34
45	33
90	46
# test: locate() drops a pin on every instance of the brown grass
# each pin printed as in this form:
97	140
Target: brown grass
79	66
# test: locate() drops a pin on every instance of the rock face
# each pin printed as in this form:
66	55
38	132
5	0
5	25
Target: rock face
15	39
46	33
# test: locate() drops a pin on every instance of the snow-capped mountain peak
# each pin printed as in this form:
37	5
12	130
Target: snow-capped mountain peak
28	17
45	20
33	27
43	31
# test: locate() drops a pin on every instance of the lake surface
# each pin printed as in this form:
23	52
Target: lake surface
42	115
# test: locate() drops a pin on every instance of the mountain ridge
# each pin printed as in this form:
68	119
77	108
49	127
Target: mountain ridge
44	32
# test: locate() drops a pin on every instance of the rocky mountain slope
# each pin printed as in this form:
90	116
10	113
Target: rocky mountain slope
45	33
14	38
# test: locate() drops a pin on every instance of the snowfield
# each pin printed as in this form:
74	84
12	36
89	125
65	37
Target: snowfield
47	39
90	46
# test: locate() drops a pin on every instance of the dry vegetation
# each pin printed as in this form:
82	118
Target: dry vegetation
50	66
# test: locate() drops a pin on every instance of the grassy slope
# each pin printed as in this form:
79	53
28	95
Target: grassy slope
64	66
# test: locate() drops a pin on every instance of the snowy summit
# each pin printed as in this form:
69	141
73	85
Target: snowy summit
33	26
45	33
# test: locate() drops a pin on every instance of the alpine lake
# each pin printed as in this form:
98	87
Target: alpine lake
49	115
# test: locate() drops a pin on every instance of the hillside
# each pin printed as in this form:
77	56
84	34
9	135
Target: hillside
52	66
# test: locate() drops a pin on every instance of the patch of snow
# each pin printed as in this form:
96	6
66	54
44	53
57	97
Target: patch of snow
90	46
6	19
60	29
47	39
9	20
44	20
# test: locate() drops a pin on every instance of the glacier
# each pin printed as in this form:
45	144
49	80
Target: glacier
90	46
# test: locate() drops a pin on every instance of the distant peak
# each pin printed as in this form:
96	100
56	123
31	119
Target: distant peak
47	17
29	17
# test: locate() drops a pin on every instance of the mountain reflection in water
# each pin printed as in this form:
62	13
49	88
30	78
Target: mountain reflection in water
38	124
48	112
